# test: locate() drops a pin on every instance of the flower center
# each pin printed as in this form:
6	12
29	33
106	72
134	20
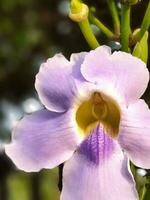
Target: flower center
99	108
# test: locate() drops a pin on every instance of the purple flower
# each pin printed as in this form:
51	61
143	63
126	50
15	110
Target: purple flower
94	121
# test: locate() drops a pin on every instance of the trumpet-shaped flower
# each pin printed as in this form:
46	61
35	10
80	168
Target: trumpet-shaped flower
93	121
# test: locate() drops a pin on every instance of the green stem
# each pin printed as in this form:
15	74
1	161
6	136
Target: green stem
88	34
125	27
101	26
146	22
115	16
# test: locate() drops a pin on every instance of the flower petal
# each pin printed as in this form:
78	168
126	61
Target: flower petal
77	59
135	133
119	74
86	178
42	140
55	85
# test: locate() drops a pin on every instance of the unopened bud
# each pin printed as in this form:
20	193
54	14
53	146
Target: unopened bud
136	34
78	11
141	48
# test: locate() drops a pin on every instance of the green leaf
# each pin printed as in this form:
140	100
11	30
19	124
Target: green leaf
141	48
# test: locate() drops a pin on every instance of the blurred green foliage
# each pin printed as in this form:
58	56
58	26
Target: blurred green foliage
21	185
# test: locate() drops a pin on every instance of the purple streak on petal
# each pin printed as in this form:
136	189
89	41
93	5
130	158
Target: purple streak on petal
98	146
84	180
97	142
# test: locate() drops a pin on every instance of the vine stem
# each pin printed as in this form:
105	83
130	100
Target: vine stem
146	22
101	26
115	16
88	34
125	27
79	12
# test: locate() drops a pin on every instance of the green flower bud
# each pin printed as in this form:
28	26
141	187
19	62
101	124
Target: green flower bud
136	34
141	48
78	11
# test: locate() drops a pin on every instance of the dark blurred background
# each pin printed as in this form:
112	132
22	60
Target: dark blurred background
30	32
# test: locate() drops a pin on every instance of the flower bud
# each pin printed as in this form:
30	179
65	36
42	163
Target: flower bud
136	34
141	48
78	11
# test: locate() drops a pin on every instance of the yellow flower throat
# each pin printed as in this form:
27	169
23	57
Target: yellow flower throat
99	108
